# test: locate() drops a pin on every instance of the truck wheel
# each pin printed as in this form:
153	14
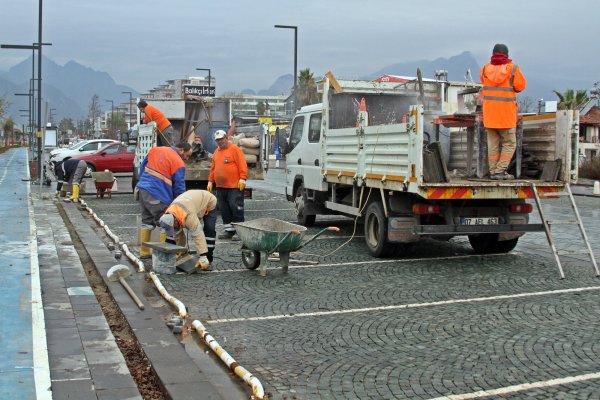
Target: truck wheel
488	243
376	231
250	258
505	246
134	178
299	202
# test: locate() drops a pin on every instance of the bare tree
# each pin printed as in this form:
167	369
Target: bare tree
526	104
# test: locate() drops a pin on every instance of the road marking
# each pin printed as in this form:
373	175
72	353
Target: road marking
353	263
7	165
270	209
521	388
41	366
406	306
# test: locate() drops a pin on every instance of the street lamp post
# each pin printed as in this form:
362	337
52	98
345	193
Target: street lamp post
112	118
206	69
295	28
30	95
130	112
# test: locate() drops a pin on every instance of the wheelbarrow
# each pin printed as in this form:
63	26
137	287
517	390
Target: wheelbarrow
104	182
264	236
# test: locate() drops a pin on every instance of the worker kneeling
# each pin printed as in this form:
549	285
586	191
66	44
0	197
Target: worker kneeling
195	211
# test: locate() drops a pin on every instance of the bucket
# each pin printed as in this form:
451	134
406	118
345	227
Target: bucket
164	263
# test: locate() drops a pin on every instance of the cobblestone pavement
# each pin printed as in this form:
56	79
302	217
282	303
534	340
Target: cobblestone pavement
442	321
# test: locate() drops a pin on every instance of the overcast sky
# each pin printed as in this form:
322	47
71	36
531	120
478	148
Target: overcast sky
143	43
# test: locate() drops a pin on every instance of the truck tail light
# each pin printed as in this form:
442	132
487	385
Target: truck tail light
422	209
520	208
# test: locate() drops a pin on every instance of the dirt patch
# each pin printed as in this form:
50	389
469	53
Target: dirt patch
139	366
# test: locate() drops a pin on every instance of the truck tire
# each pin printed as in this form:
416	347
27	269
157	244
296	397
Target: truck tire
134	178
488	243
299	202
376	231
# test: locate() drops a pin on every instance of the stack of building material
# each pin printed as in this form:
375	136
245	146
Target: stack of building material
250	147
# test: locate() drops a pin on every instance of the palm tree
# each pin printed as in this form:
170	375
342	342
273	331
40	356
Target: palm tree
571	99
306	92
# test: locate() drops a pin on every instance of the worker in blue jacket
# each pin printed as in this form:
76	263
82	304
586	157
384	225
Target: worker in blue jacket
70	171
161	179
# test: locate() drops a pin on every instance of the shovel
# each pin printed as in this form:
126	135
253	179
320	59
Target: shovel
118	273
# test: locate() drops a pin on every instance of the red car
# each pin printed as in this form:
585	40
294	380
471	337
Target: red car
116	157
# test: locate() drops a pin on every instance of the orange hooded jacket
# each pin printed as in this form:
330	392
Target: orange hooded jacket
152	113
501	83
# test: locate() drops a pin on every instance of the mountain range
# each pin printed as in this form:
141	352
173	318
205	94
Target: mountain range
69	88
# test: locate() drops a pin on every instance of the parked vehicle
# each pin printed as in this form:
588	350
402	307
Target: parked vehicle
116	157
377	151
79	148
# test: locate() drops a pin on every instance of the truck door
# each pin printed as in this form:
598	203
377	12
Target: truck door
311	157
293	156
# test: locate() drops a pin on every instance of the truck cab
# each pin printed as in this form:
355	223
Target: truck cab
304	160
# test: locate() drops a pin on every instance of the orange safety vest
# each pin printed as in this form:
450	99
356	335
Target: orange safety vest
501	83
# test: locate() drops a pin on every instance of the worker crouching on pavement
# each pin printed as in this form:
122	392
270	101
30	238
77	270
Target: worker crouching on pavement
162	178
70	171
229	172
501	80
194	210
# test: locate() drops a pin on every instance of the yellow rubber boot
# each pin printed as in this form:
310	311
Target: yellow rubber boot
163	237
75	195
145	251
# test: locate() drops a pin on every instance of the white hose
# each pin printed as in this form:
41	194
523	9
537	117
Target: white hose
174	301
258	392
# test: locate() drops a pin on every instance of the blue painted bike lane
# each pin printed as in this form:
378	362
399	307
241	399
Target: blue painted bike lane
24	362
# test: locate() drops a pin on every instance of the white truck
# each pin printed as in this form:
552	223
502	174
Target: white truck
394	165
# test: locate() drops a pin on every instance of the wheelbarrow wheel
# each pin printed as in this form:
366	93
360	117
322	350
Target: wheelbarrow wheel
250	258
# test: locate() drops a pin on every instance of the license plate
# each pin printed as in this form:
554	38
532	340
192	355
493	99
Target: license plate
479	221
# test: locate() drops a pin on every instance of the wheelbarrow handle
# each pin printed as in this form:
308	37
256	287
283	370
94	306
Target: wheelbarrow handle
287	235
322	231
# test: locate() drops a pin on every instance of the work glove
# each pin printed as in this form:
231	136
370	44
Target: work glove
209	187
203	263
242	184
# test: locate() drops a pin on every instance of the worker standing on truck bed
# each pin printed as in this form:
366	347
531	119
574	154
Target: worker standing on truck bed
162	178
194	210
229	172
165	129
501	80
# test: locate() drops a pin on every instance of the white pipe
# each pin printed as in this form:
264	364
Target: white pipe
258	392
174	301
133	258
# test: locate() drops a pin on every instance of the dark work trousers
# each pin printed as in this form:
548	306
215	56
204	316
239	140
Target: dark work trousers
231	205
210	232
152	210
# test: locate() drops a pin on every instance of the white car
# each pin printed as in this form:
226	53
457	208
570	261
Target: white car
79	149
